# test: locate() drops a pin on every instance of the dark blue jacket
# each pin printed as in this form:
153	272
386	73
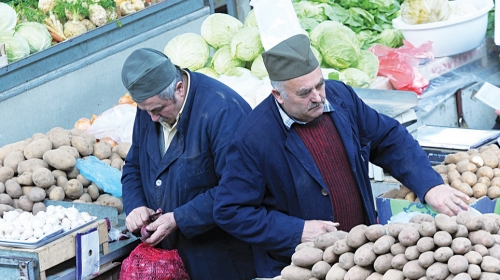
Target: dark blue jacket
185	179
272	185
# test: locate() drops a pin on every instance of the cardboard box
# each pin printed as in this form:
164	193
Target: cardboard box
388	206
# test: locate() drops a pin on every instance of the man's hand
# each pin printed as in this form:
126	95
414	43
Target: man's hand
314	228
446	200
161	228
138	218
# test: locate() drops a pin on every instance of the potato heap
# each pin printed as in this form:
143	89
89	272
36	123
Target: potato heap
474	172
466	246
44	166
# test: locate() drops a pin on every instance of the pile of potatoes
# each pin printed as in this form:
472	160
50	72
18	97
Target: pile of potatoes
474	172
44	167
466	246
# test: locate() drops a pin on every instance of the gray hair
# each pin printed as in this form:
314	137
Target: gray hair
280	87
168	92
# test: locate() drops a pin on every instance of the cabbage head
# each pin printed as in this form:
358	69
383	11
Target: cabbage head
36	34
250	20
16	46
339	46
356	78
238	72
368	63
222	60
317	54
316	32
246	44
258	67
188	50
218	29
390	37
209	72
8	18
425	11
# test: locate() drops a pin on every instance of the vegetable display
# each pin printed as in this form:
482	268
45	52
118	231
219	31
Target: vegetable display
442	247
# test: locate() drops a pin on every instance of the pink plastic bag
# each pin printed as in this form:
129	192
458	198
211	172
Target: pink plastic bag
400	65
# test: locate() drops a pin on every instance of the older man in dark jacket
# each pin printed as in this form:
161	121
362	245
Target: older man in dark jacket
182	129
299	162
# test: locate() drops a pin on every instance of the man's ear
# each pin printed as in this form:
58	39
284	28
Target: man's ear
277	95
180	88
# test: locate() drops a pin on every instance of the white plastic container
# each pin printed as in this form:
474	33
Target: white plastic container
449	37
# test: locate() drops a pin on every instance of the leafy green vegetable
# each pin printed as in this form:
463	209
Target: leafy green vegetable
188	50
16	46
209	72
258	68
390	37
76	9
37	35
218	29
368	63
9	17
339	46
356	78
222	60
246	44
315	34
250	19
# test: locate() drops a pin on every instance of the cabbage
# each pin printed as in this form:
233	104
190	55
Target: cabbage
332	74
223	61
209	72
339	46
250	20
356	78
36	34
258	67
425	11
188	50
390	37
238	72
16	46
317	54
8	19
246	44
218	29
316	32
368	63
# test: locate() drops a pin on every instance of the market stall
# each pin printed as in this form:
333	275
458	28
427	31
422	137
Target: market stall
48	94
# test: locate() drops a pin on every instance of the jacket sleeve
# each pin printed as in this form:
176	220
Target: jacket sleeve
394	149
132	191
196	216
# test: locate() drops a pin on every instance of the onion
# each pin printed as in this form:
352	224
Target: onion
109	140
93	118
83	124
126	99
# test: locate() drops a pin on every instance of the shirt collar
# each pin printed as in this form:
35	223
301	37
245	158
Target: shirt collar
289	121
168	126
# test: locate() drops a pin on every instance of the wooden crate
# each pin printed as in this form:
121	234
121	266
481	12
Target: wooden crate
59	250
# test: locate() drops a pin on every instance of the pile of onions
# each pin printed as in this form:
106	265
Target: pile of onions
126	99
83	124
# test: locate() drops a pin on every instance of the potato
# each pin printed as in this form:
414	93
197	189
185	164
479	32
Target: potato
356	236
6	173
5	208
2	187
420	218
481	249
425	244
106	161
73	189
456	183
437	271
489	276
346	260
123	148
456	157
375	276
426	259
411	196
336	273
328	239
43	178
357	272
37	194
109	200
474	271
72	150
72	173
446	223
13	159
481	237
102	150
440	168
114	155
399	261
395	228
26	189
409	236
412	270
117	163
293	272
490	264
397	249
453	175
461	232
442	238
469	178
495	182
496	172
59	139
83	180
364	255
320	269
59	173
15	204
5	199
85	197
301	245
59	159
13	147
490	159
84	146
479	190
25	179
13	189
383	263
412	253
484	180
469	220
466	166
461	245
427	229
476	159
493	192
490	225
473	257
93	191
61	181
57	194
443	254
329	255
393	274
466	189
37	207
485	171
457	264
383	244
307	256
25	203
451	166
37	148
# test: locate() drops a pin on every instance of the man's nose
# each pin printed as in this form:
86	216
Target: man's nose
154	117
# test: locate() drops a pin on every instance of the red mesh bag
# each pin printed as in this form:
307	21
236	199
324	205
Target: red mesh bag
149	263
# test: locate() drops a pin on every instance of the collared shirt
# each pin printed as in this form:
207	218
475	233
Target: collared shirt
288	121
170	130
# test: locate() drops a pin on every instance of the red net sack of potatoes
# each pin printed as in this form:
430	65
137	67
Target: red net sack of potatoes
149	263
